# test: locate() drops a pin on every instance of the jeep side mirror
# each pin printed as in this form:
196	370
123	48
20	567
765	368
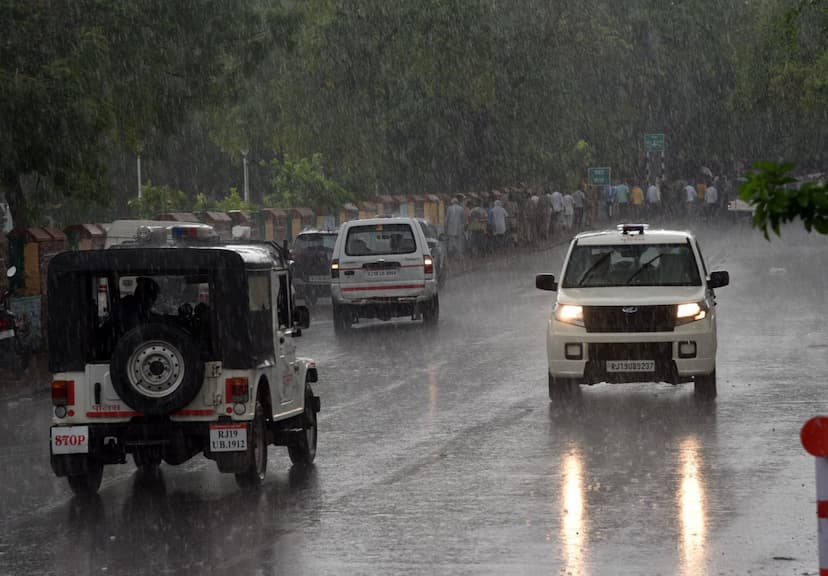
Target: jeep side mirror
546	282
718	279
301	316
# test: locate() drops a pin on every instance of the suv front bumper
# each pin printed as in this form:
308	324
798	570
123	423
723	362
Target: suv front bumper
677	356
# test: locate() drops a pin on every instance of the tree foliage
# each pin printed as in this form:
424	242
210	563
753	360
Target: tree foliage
156	200
303	183
779	198
397	97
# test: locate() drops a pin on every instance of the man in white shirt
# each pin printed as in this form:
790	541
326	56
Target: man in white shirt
711	202
499	220
690	196
653	199
557	210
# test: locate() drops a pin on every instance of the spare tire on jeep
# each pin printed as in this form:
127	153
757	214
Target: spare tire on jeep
156	368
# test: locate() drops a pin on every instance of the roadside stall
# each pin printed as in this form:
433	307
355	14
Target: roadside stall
220	221
85	236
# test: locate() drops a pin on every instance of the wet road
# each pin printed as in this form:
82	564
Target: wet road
439	452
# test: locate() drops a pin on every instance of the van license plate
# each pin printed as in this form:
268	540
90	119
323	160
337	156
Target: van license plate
630	365
228	437
381	273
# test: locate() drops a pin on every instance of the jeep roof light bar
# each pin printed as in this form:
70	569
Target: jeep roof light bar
627	229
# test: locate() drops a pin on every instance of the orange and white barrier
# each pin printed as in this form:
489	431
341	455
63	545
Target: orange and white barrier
814	436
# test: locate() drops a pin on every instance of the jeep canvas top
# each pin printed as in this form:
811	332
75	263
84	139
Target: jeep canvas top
172	346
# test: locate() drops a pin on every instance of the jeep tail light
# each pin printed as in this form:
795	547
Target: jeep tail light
63	392
428	265
5	323
335	268
237	390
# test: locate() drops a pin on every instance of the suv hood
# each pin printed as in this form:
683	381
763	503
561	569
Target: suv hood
631	296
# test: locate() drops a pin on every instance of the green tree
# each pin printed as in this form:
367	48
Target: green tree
233	201
158	200
303	183
77	78
779	199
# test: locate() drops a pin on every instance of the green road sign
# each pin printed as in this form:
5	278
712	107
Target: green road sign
654	142
599	176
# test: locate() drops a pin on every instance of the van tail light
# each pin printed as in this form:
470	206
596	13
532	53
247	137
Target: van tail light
428	265
335	268
63	392
237	390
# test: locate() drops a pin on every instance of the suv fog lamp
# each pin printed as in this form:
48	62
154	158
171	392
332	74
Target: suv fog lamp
573	351
60	411
570	314
687	349
239	409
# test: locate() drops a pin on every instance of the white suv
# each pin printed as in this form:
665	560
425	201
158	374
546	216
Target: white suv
382	268
633	305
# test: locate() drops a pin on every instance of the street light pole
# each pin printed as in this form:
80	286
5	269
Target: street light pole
246	189
139	175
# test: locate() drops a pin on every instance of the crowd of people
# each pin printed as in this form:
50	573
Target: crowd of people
480	224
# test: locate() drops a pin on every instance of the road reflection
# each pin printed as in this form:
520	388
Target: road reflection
573	513
692	508
631	463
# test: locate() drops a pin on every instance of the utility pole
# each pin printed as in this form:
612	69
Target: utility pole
245	188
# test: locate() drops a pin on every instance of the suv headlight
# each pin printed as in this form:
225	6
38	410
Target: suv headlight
690	312
569	314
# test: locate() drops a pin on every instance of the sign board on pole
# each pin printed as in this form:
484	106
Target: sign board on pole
654	142
599	176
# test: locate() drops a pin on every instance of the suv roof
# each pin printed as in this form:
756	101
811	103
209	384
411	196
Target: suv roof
638	233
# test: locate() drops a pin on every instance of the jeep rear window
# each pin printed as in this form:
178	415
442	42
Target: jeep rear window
631	265
380	240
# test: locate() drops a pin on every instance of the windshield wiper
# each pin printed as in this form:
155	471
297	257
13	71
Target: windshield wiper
594	265
643	267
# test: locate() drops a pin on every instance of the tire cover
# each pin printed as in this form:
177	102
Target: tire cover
156	368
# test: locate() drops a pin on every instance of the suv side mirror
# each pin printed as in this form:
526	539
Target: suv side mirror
546	282
718	279
301	316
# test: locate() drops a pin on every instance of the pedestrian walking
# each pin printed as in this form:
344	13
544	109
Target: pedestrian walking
455	227
499	216
557	211
637	201
579	202
690	196
653	200
568	211
711	202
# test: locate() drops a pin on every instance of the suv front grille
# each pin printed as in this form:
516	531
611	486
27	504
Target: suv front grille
629	318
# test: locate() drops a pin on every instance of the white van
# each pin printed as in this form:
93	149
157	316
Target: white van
382	268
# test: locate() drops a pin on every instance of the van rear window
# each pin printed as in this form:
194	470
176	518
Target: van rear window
380	239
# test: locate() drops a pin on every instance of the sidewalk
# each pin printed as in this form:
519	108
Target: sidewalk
35	379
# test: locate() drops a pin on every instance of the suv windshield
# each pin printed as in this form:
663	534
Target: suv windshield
380	239
631	265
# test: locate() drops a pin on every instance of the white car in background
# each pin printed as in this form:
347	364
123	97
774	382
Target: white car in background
633	305
383	268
